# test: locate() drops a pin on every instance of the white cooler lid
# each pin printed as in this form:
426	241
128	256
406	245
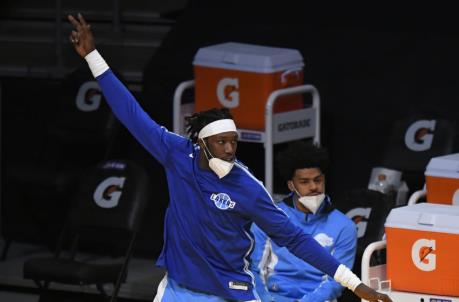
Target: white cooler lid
444	166
248	57
429	217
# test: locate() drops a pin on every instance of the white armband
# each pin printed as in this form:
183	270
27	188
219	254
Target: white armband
346	277
96	63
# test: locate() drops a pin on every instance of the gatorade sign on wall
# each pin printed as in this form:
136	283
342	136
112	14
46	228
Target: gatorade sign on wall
88	97
108	192
419	135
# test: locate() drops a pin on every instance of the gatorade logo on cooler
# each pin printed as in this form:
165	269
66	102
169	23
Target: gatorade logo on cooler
456	198
419	135
423	255
89	96
228	92
108	192
360	217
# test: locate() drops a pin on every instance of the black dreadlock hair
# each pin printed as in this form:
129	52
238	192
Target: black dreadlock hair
198	120
300	155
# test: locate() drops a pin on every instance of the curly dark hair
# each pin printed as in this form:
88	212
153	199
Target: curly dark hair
300	155
198	120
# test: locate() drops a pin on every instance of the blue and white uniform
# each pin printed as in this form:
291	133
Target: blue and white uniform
284	277
207	238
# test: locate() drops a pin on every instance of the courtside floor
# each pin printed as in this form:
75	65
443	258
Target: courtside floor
143	277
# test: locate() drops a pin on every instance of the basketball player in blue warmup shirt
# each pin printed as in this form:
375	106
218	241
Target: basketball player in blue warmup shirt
283	277
214	200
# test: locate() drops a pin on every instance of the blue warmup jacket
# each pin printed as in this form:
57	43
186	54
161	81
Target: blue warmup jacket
207	238
285	277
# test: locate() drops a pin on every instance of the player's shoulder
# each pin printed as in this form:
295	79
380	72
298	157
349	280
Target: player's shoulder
248	179
246	173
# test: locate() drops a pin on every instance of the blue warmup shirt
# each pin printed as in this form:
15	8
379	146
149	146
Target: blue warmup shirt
283	276
207	238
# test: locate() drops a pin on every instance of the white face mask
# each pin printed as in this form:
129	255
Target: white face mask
312	203
219	166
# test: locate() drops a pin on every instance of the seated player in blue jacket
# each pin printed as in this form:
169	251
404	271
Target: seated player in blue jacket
282	275
214	200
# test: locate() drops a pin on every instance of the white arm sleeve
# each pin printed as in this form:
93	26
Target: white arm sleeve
96	63
346	277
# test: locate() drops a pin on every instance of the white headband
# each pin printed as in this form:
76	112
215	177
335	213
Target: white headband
217	127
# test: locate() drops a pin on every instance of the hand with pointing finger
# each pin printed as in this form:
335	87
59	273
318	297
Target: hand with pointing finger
81	36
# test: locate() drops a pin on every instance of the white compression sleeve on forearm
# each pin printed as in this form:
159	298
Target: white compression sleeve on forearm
96	63
346	277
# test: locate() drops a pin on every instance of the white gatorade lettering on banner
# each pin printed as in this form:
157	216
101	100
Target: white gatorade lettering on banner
88	103
108	192
228	92
456	198
357	216
417	141
423	255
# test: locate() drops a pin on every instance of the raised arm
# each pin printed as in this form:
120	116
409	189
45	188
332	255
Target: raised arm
156	139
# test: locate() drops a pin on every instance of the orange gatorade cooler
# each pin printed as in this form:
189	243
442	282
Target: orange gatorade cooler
242	76
442	179
422	249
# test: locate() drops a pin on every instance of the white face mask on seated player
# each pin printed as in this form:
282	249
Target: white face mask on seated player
219	166
312	203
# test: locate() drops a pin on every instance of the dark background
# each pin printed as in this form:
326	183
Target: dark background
372	66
